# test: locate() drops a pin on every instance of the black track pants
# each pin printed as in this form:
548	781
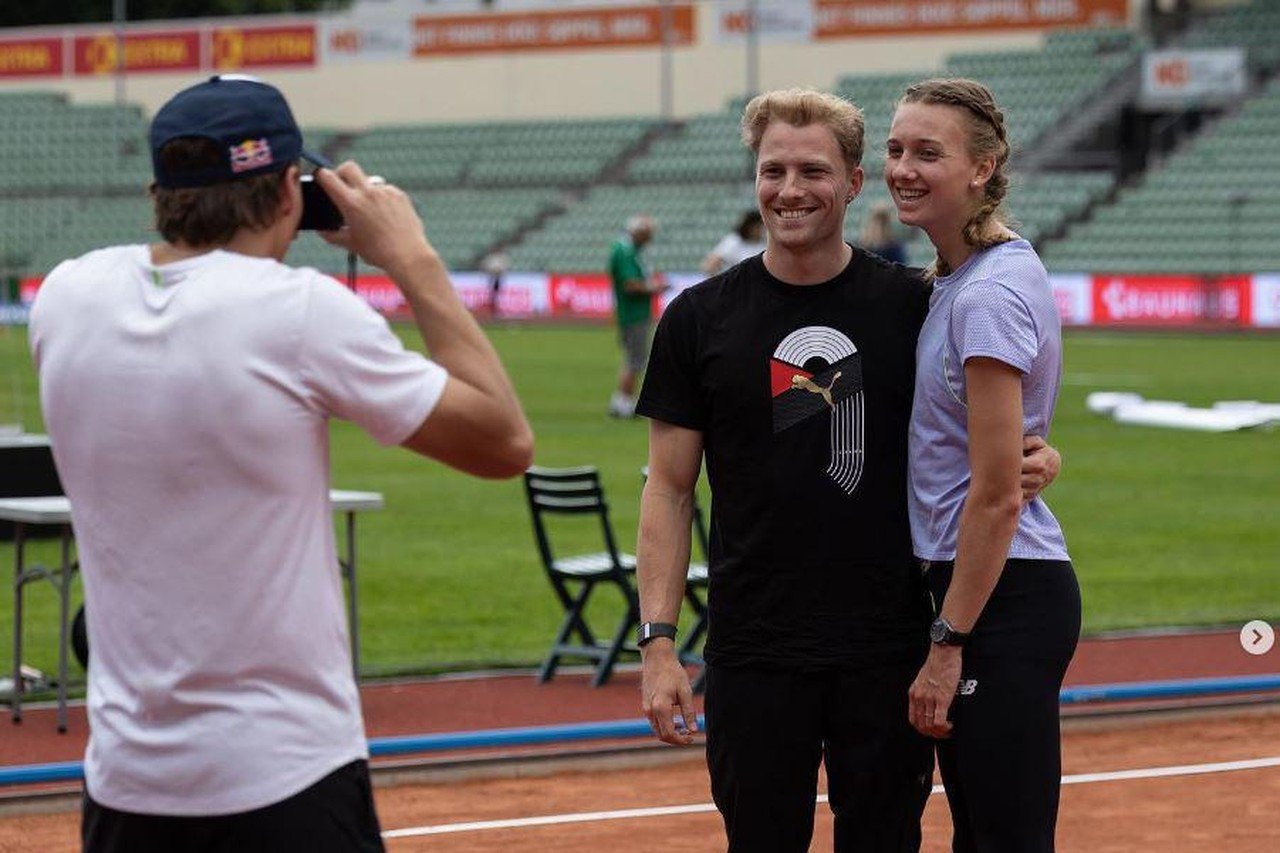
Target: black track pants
767	733
1002	765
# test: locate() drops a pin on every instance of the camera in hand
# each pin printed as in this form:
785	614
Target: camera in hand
319	213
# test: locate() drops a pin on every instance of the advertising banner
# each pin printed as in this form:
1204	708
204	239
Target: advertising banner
776	21
352	40
1074	295
589	295
1177	79
522	295
1083	299
844	18
40	57
1266	300
178	50
634	26
264	47
1170	300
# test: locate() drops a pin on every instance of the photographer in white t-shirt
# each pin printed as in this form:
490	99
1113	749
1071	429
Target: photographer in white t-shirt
187	387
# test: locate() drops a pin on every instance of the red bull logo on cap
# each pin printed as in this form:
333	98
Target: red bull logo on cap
250	154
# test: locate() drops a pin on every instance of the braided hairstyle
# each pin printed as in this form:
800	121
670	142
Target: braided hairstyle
987	138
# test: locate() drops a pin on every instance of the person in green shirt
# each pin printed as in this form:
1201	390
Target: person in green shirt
633	291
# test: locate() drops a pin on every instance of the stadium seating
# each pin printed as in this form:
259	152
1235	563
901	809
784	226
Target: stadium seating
1251	25
555	193
1210	208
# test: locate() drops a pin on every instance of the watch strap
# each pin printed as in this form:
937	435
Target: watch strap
652	630
943	634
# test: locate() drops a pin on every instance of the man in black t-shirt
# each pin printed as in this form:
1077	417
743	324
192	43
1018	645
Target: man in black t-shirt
792	374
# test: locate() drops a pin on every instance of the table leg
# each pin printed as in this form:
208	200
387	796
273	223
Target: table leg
19	545
353	612
64	592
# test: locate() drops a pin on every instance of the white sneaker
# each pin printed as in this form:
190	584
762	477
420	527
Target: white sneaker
621	406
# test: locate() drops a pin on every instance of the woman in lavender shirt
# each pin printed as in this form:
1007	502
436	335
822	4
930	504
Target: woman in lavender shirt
989	361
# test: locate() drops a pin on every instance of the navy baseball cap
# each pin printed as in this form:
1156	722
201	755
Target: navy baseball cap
248	119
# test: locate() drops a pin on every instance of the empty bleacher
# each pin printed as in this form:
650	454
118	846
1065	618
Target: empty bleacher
554	193
1214	207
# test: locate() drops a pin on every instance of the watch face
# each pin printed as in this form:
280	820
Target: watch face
938	631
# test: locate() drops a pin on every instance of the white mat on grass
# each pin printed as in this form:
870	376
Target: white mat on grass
1225	416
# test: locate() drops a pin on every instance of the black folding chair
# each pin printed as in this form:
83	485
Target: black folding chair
577	491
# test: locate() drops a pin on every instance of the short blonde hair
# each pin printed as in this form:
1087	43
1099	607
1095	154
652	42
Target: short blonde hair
801	108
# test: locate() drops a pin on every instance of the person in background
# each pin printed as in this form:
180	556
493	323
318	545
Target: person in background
877	235
739	244
989	364
187	387
495	265
633	291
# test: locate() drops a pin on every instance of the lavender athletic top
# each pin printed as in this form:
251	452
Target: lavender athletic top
998	304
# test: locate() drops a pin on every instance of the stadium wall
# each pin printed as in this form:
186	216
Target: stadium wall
356	71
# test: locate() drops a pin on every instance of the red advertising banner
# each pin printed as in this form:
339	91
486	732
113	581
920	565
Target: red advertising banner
587	295
28	287
31	57
843	18
264	47
168	51
1171	300
636	26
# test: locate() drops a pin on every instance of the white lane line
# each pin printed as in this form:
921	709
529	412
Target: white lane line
703	808
551	820
1178	770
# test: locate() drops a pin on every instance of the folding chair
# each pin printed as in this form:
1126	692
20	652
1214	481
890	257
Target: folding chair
577	491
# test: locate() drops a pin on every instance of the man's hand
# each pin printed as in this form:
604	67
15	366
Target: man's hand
666	694
933	690
381	225
1040	466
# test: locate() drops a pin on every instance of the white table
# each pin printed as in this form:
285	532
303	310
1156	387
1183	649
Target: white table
56	512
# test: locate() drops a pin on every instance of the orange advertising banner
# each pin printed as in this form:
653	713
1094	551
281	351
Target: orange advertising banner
169	51
263	47
31	57
844	18
635	26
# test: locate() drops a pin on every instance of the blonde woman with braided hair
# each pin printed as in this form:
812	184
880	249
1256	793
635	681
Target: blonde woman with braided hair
989	363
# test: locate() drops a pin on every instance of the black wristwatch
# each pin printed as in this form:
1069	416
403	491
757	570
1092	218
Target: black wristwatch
943	634
652	630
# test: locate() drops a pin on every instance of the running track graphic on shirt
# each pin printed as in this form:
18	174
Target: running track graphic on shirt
817	370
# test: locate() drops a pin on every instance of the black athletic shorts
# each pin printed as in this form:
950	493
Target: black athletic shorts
335	815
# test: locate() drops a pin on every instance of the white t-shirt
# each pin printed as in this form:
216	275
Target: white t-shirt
733	250
188	407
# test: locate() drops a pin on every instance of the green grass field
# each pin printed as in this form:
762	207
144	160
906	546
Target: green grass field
1165	527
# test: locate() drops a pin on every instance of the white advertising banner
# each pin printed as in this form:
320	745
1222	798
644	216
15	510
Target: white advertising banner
1266	300
352	40
521	294
776	21
1176	79
1074	295
677	283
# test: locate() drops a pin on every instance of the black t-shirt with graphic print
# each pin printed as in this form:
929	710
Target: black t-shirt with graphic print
803	396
